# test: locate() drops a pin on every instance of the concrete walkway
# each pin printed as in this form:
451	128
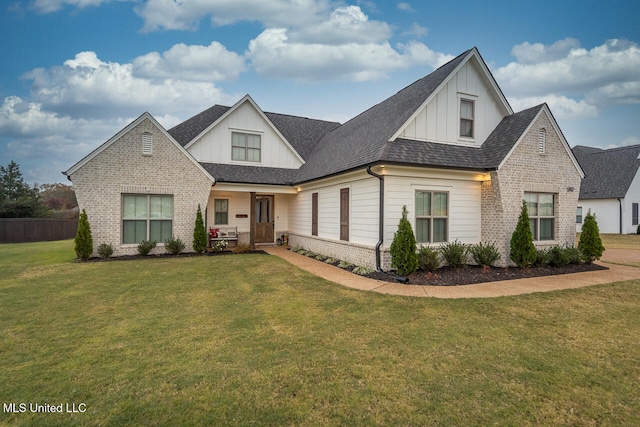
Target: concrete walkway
615	273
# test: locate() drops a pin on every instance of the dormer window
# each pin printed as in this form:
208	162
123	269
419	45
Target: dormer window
466	118
245	147
147	144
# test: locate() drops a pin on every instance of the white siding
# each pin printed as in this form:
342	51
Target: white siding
363	209
633	196
439	120
215	145
607	212
464	205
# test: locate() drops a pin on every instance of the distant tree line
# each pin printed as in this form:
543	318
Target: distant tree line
19	200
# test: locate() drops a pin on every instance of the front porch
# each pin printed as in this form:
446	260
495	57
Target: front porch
258	214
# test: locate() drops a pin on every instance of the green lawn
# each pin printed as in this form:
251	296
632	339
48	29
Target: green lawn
251	340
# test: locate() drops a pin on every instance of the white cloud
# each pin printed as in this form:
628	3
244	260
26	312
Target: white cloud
49	6
196	63
416	30
274	55
406	7
632	140
186	15
344	25
88	87
561	106
606	74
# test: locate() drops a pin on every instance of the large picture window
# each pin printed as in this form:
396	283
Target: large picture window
245	147
541	209
146	217
432	216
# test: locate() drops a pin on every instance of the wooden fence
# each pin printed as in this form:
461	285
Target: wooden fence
19	230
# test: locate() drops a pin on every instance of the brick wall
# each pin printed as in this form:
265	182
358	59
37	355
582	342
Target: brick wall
357	254
526	170
122	168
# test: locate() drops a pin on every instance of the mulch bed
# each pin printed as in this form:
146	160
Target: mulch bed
160	256
447	276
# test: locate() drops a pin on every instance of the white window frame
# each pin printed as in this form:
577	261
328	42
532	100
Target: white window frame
431	217
472	119
245	147
147	218
535	218
216	212
579	217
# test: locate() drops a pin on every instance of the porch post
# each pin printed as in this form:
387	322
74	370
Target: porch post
252	221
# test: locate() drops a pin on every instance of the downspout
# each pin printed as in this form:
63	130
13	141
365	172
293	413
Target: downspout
380	217
620	203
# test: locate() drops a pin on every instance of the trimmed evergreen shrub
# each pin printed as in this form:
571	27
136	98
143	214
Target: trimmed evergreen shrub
523	252
590	244
573	254
403	248
145	247
485	254
199	233
105	250
542	257
174	246
83	240
558	256
455	254
428	259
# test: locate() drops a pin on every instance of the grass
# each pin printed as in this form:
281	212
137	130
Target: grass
621	241
252	340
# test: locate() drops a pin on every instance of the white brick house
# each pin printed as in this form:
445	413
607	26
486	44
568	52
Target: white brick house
448	146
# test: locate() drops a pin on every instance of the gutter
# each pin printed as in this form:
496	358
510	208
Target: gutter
380	217
620	203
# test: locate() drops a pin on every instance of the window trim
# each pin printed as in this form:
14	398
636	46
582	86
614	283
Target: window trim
467	99
345	213
542	141
215	211
147	144
579	217
148	218
432	217
634	213
538	217
246	147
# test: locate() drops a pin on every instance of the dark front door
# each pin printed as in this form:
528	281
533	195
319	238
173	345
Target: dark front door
264	219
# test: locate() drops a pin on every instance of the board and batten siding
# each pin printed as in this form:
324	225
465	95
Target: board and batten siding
363	209
439	120
215	145
464	204
240	205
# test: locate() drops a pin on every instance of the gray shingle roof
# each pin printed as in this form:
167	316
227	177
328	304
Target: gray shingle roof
330	148
362	140
608	173
241	174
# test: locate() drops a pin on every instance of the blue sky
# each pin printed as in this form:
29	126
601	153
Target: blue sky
75	72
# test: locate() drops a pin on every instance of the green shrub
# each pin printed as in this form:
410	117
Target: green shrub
542	258
174	246
523	252
638	230
199	233
83	241
105	250
330	260
218	246
403	248
428	259
145	247
363	271
590	244
558	256
243	249
485	254
345	264
321	257
455	253
574	255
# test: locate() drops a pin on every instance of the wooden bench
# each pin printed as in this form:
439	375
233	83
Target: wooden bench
223	232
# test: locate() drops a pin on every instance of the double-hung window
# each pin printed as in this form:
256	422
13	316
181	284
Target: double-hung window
432	216
146	217
579	215
221	211
541	210
466	118
634	214
245	147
